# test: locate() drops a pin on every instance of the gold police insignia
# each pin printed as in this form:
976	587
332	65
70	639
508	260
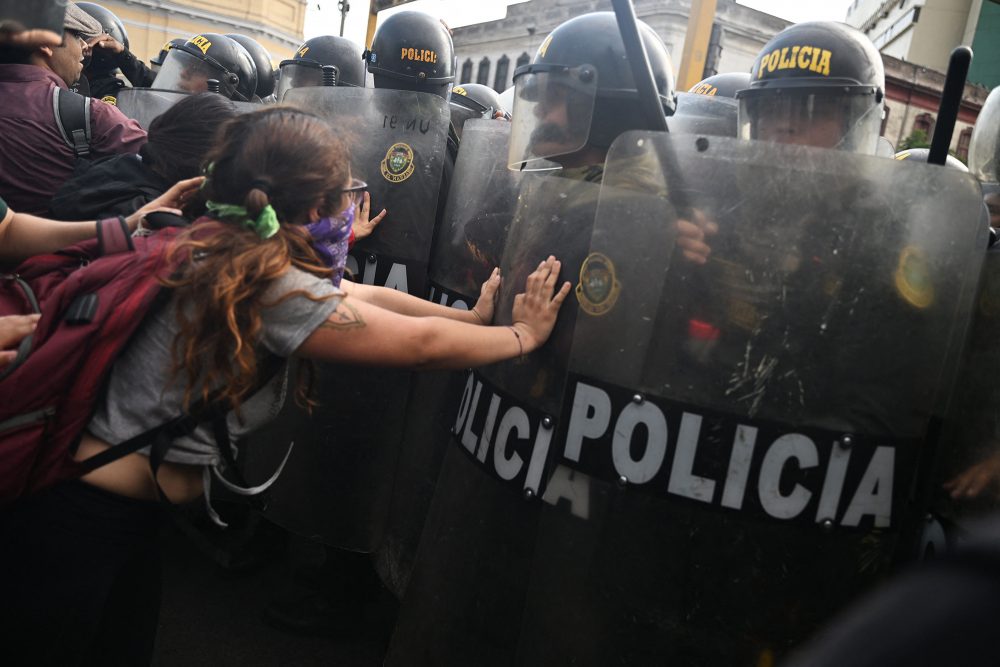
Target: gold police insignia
398	163
598	289
110	99
913	277
458	90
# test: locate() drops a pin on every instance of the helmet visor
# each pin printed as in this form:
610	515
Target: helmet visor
186	73
298	75
825	119
553	109
984	147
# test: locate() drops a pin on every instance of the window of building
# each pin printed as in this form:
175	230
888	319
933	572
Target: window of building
924	123
484	72
962	151
466	71
500	79
523	59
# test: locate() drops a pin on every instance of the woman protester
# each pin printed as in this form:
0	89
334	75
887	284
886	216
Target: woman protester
254	281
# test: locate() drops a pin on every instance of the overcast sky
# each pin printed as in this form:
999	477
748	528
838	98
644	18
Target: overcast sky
323	17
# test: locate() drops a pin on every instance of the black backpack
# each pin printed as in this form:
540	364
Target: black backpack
72	112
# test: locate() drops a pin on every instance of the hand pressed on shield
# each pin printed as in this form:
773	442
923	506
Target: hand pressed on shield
13	329
363	226
975	480
693	234
486	305
535	310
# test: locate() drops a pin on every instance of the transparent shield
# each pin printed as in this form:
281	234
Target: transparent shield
185	73
820	119
776	399
338	482
146	104
553	109
984	148
481	205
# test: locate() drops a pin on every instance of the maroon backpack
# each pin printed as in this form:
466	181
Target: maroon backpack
92	297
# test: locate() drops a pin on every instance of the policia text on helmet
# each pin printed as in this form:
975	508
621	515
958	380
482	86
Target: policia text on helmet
413	51
189	67
819	83
578	93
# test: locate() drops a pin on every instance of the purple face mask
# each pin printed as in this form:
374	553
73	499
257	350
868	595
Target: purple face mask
330	238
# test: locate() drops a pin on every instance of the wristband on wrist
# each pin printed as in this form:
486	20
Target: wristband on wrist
520	346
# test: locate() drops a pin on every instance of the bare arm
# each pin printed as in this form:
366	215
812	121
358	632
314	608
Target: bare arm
363	333
406	304
23	235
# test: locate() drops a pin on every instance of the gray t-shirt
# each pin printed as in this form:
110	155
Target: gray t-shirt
141	395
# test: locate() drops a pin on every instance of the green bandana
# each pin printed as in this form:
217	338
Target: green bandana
266	224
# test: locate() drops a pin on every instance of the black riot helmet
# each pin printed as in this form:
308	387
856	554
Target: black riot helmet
157	61
722	85
305	68
413	51
579	92
472	100
262	62
984	147
819	83
189	66
103	60
709	107
921	155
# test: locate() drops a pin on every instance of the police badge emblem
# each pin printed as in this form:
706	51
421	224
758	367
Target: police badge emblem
913	277
598	289
110	99
398	163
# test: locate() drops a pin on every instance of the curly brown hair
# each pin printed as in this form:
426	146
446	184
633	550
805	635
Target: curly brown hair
280	156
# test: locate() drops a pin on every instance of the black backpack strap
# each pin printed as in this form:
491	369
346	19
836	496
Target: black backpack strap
72	113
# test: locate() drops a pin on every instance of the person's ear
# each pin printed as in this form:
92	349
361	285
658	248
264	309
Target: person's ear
47	50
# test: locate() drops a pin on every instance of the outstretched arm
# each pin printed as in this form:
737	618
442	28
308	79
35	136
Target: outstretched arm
363	333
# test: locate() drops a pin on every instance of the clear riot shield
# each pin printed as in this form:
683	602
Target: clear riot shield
966	483
468	586
146	104
739	440
337	483
468	245
397	141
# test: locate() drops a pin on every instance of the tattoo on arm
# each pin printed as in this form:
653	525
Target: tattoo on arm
345	317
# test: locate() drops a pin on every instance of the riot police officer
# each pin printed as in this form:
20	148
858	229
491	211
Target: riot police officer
262	62
709	107
305	67
189	67
413	51
473	100
819	83
111	53
578	93
157	61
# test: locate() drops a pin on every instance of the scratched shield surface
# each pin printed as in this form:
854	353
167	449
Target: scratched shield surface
145	105
337	484
739	440
469	243
468	586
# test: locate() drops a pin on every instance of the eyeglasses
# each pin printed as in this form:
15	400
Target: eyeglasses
356	191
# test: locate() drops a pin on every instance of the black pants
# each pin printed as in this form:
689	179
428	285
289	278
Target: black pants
80	578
